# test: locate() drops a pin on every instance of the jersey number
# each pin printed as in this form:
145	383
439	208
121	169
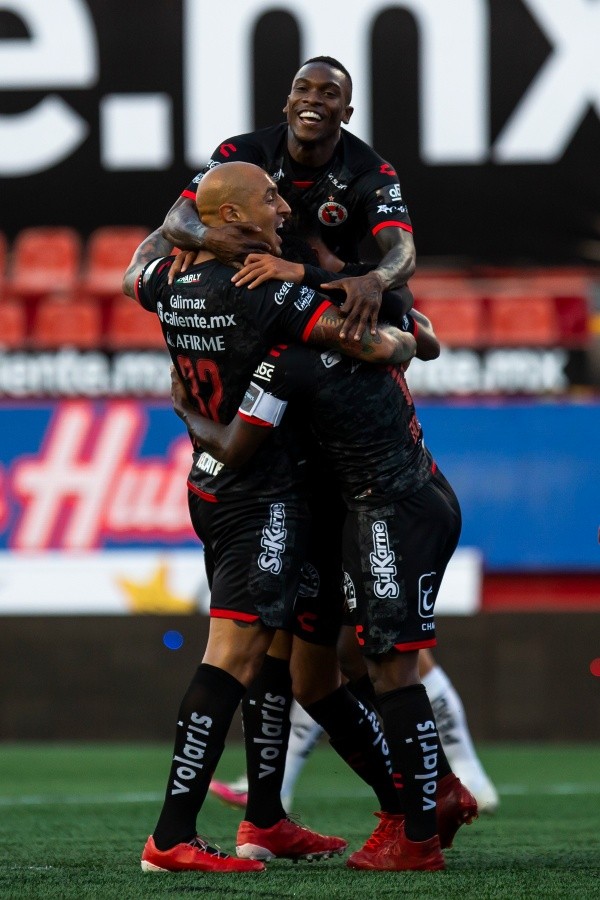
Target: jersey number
204	382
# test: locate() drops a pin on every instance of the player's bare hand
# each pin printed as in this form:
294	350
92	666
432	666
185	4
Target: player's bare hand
362	303
233	243
261	267
182	261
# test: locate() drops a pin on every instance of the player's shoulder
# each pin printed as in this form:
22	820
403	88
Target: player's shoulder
362	159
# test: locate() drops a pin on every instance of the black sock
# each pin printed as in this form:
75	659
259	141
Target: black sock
204	718
266	717
414	746
364	691
356	735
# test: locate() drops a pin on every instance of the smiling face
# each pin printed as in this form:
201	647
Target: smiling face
318	104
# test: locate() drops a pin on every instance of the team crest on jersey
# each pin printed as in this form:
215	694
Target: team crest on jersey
332	213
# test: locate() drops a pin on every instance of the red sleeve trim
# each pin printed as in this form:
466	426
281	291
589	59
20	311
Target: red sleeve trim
189	195
416	645
315	318
232	614
403	225
210	498
252	420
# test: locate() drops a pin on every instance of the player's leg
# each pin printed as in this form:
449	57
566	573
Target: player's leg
454	733
243	621
395	557
304	737
232	657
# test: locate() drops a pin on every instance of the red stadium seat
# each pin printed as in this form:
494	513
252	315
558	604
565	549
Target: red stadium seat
13	324
43	260
458	319
109	252
132	328
527	319
67	320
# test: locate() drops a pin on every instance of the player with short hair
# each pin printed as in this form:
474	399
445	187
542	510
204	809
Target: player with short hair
340	190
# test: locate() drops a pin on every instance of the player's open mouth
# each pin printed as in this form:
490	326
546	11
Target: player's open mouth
310	117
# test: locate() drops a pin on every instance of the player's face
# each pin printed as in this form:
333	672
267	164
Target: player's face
266	208
318	103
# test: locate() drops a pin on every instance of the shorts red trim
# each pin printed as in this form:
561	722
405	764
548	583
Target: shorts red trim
402	225
232	614
314	318
416	645
210	498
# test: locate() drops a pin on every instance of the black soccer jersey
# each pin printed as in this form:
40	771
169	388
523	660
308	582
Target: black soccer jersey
216	334
362	414
356	192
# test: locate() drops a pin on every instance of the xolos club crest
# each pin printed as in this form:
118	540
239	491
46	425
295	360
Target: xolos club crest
332	213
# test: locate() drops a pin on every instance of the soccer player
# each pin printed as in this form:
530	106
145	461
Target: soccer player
253	523
340	190
402	526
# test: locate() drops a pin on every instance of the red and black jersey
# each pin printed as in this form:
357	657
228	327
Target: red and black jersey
357	192
216	334
362	415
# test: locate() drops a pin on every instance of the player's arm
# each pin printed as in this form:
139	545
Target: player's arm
233	444
364	292
387	345
152	247
428	346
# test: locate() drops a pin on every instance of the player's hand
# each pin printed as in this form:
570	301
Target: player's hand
361	306
182	261
233	243
261	267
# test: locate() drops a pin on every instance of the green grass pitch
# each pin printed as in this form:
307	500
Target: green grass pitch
73	820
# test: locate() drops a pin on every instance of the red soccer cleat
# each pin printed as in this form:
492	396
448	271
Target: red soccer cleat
285	840
389	850
233	794
195	856
456	806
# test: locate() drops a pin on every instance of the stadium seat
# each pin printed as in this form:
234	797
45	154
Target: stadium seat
67	320
458	318
527	319
13	324
108	253
44	259
132	328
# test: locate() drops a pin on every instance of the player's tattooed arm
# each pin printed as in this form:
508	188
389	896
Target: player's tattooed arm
388	344
151	248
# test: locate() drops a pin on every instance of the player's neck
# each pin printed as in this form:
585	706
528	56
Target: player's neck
314	155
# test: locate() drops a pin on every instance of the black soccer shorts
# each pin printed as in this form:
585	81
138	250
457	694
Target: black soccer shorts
394	559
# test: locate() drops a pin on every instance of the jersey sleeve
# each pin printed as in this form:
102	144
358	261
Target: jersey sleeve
153	274
288	311
381	199
236	149
282	374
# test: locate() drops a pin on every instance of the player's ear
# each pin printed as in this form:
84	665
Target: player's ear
347	114
229	212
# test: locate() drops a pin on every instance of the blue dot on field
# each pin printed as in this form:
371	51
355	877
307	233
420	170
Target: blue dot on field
173	640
